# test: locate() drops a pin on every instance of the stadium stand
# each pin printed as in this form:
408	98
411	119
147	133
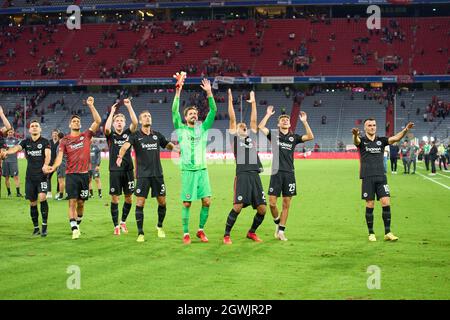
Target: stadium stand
134	49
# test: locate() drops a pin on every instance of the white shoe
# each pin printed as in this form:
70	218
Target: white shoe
281	236
75	234
276	231
372	237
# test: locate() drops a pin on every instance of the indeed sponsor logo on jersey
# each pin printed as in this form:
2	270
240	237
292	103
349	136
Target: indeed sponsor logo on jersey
119	142
373	150
77	145
149	146
285	145
34	153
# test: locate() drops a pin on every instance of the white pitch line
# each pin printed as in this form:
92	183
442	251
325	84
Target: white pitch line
443	175
432	180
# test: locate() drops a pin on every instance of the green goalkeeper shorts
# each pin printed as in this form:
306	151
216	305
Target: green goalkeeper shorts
195	185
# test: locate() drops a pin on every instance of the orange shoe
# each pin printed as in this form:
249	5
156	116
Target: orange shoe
187	239
253	236
201	234
227	240
117	231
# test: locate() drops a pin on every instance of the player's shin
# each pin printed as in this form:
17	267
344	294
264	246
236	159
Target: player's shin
369	220
125	211
161	215
34	216
185	219
387	219
140	219
204	213
257	220
115	213
232	216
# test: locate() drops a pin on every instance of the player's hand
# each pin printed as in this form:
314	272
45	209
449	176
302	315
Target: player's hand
252	97
270	111
303	117
206	85
230	94
90	101
355	131
181	76
119	161
127	103
3	154
409	126
46	169
114	107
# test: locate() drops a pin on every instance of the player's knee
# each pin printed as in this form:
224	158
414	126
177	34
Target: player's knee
261	209
42	197
206	202
237	208
370	204
273	202
186	204
115	199
128	199
162	201
385	201
33	203
140	202
80	204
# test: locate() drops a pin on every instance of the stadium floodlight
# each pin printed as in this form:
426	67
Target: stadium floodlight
425	138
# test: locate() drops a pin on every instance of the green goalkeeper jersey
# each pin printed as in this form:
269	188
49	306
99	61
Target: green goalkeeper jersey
193	140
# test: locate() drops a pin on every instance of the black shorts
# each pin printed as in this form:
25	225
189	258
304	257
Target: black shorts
283	182
61	171
10	169
94	174
77	186
121	180
248	190
374	185
34	186
143	186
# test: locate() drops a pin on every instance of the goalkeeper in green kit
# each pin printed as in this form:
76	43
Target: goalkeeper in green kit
193	137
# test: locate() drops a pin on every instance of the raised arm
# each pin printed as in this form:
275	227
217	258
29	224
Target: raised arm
309	135
134	119
122	152
356	138
108	123
262	124
206	86
231	114
6	124
176	118
399	136
97	119
253	115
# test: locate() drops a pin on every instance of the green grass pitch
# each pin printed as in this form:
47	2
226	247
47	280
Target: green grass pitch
326	257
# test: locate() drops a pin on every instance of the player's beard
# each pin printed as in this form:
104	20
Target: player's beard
192	121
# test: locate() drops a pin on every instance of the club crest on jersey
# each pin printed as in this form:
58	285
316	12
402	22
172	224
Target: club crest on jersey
155	137
39	146
239	198
188	196
112	189
378	143
81	138
138	191
125	136
291	139
365	194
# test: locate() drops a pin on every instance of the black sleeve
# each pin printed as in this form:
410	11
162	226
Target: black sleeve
384	141
269	135
132	139
23	143
46	144
162	140
298	139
